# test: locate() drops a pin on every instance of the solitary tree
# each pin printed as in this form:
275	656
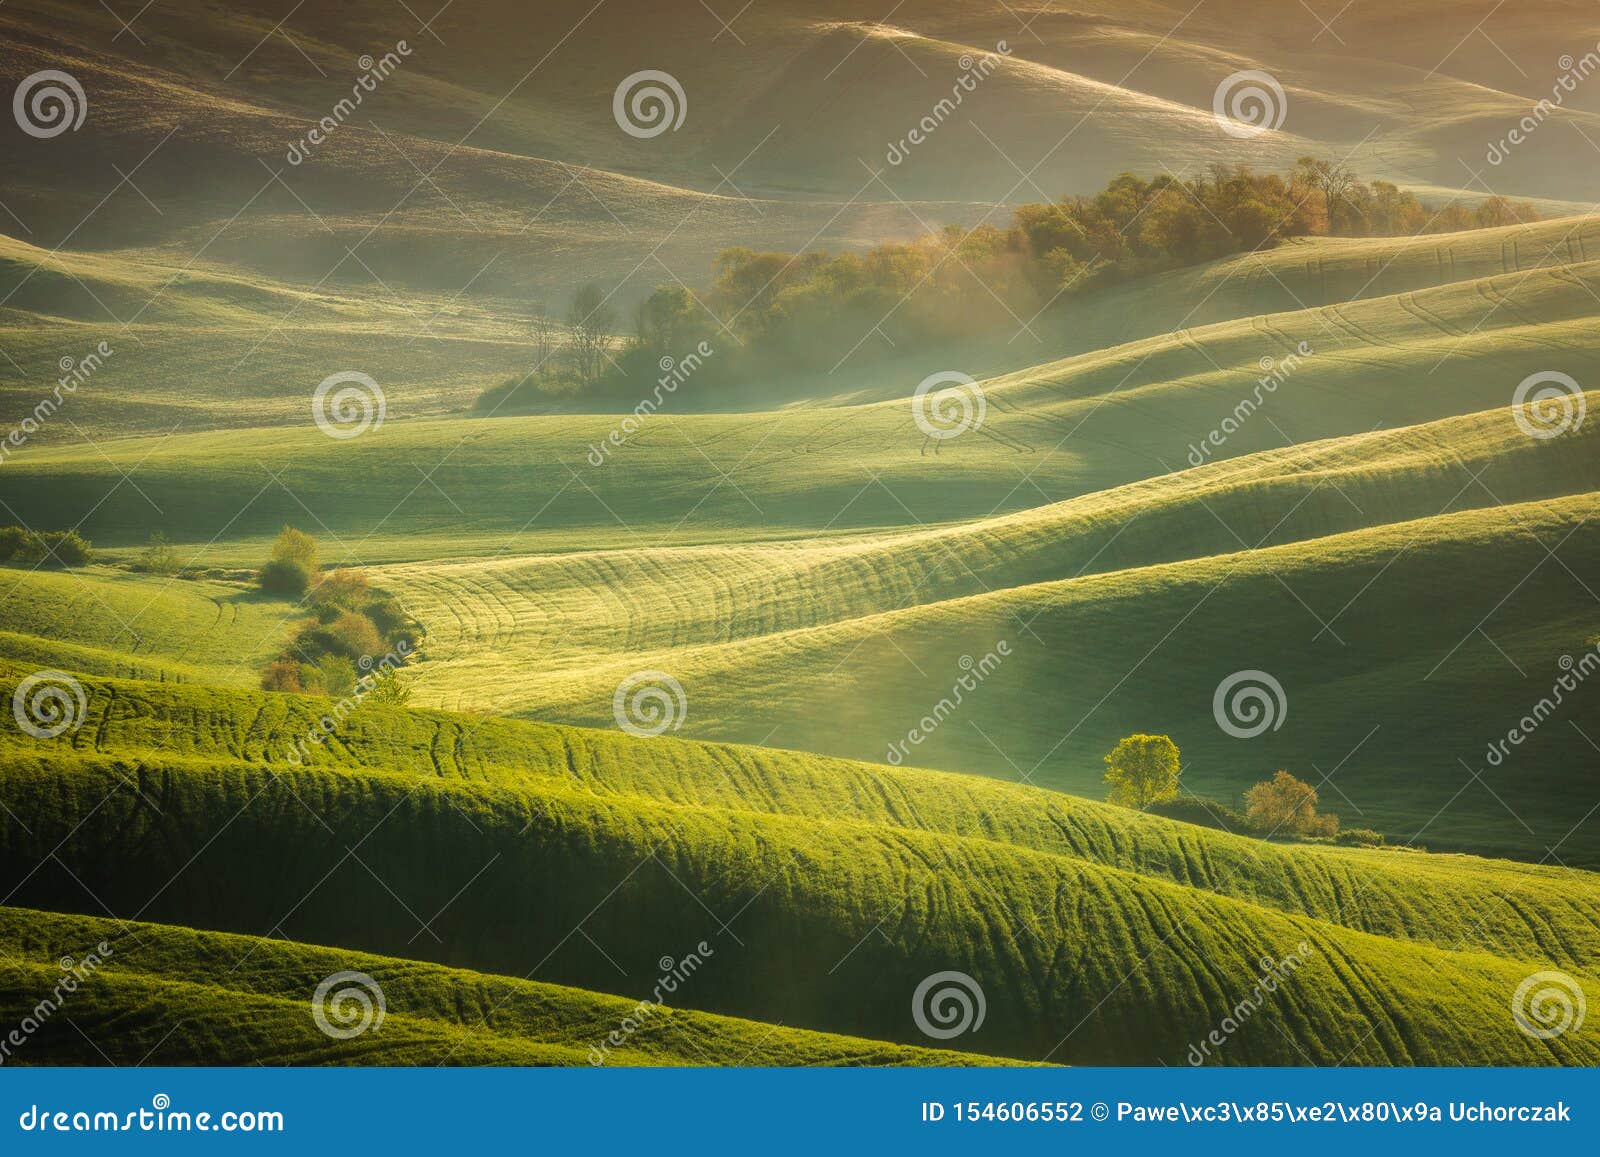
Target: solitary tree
1286	805
1142	770
592	321
544	337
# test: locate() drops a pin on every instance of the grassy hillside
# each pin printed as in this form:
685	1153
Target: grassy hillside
1450	901
495	876
109	622
1054	431
176	996
1410	629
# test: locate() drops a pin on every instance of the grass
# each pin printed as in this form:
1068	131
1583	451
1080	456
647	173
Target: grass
177	996
1378	536
1446	900
107	621
1079	920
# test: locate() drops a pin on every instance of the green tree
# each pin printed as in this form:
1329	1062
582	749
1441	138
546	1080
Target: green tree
292	569
293	545
1142	770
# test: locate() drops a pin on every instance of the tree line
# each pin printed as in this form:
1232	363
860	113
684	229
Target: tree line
771	313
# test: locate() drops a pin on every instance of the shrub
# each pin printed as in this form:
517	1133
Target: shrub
346	590
284	578
12	541
1359	838
1142	769
388	617
159	556
335	675
296	546
1203	812
353	636
283	675
387	690
25	547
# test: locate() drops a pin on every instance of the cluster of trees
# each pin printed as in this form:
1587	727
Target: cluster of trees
352	630
775	312
1143	771
20	546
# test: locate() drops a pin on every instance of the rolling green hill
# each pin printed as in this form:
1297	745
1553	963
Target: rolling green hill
886	665
110	622
175	996
1445	900
502	877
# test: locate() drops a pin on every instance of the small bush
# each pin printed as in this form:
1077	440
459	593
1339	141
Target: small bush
284	578
283	675
335	675
391	621
345	590
385	689
159	557
353	636
24	547
1359	838
296	546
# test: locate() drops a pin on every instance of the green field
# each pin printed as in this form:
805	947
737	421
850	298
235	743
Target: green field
859	898
886	665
